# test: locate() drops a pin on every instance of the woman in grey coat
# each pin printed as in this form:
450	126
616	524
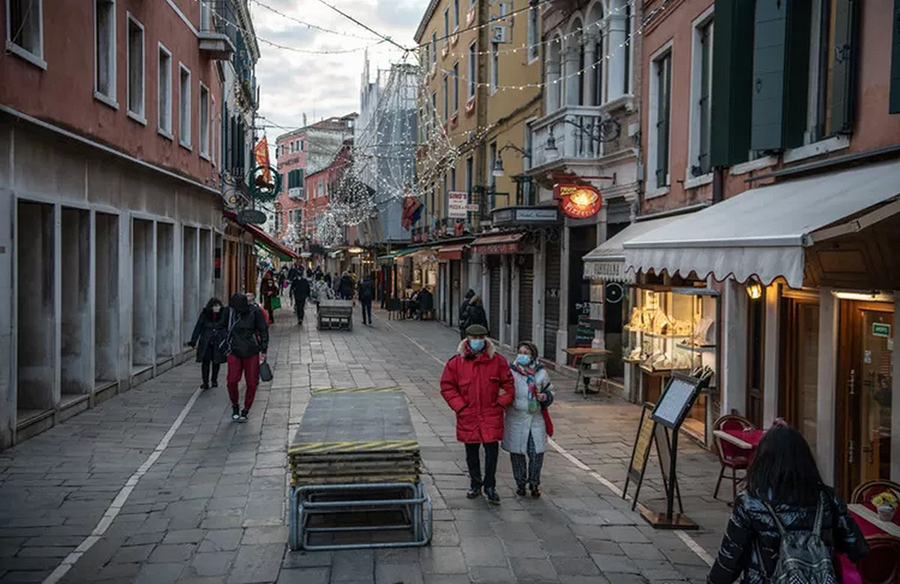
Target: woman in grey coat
527	424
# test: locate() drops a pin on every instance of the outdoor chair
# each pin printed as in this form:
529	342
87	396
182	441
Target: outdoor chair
882	565
731	456
587	372
866	491
394	307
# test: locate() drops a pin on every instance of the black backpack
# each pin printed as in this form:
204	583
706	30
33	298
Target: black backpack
803	558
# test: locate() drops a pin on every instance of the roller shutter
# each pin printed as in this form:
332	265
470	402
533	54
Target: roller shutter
551	305
494	308
526	299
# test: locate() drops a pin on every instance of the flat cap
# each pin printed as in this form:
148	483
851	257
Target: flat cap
476	330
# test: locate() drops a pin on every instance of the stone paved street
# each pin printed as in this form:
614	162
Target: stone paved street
207	503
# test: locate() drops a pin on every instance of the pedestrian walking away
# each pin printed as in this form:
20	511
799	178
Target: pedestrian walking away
462	317
247	341
300	292
366	296
527	423
269	290
345	287
477	385
787	525
209	332
476	314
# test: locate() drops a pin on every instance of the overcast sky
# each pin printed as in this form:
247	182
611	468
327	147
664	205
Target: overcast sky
322	85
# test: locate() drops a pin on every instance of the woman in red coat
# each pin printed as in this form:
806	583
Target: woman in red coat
478	385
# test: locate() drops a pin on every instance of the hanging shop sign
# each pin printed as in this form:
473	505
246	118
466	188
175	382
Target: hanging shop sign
509	216
254	216
578	201
458	205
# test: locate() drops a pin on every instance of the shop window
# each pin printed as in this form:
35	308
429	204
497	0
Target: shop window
105	50
756	342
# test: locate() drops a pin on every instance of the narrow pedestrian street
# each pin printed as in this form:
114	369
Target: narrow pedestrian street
193	497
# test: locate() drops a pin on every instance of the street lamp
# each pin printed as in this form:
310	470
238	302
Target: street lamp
498	164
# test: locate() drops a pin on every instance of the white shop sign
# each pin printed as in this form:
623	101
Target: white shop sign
457	206
607	270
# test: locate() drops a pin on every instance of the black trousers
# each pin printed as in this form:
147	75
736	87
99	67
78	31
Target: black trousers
491	453
204	370
300	308
366	311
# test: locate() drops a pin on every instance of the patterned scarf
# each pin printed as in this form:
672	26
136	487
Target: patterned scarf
528	373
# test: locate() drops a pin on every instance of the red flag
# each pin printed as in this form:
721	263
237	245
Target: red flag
261	151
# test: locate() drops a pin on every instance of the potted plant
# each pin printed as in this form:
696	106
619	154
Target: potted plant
886	504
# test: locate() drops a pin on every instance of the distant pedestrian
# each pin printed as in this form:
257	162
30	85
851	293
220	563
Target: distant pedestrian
463	315
527	424
366	296
327	279
268	290
477	385
476	314
300	292
248	341
784	492
208	334
345	288
251	298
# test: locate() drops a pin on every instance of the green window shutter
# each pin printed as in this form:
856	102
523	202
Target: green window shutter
894	107
300	180
843	82
732	83
769	56
796	72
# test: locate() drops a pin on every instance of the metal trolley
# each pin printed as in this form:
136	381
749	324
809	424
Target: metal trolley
335	315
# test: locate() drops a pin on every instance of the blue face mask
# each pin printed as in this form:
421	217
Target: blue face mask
523	360
476	345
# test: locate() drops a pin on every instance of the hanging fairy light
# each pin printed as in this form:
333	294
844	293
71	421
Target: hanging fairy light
329	233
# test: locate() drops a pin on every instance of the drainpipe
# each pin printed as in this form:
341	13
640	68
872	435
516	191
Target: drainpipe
718	184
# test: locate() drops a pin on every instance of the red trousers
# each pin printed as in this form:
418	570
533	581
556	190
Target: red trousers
249	368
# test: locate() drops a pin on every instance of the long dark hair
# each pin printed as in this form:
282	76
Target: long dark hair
784	470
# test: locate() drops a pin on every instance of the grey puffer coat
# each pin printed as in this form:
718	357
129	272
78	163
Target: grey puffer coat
519	423
752	531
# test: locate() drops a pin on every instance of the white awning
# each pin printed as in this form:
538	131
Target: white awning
607	262
763	232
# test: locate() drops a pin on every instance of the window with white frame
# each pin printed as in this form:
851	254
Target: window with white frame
212	130
534	31
105	50
470	174
164	90
492	157
495	67
25	30
433	48
453	178
434	114
446	26
529	146
597	89
135	59
205	15
446	97
660	107
427	59
455	88
204	121
701	97
473	70
184	107
455	14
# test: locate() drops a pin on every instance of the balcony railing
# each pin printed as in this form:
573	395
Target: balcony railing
218	30
576	132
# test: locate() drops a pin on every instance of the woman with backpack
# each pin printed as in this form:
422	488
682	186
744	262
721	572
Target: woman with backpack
787	525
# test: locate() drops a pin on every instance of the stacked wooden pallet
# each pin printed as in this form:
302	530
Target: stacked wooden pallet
351	436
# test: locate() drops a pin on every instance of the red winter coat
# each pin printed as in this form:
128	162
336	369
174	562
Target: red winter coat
478	388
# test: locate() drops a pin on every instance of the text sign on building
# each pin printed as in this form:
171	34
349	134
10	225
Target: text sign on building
457	205
605	270
578	201
881	330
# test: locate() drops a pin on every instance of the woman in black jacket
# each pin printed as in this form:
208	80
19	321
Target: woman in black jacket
475	314
784	475
248	341
208	334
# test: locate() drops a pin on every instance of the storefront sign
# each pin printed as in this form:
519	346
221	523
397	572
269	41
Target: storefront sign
881	330
578	201
457	205
605	270
253	216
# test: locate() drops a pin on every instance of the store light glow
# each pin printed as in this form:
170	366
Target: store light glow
356	250
754	290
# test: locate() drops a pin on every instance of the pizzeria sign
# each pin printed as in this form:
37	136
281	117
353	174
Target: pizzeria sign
578	201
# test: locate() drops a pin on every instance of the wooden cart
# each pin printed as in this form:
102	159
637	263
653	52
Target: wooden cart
335	315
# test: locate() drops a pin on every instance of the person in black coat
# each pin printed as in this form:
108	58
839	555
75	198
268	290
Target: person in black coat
248	340
783	476
208	334
475	314
345	288
300	292
463	310
366	295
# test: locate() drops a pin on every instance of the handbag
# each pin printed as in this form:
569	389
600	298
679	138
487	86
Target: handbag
265	372
275	302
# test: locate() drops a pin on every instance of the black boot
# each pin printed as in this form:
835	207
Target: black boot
474	492
520	491
492	497
535	491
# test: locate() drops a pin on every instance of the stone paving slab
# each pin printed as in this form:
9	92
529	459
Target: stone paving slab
212	507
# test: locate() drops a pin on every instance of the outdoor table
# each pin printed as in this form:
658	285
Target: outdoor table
743	439
577	353
867	518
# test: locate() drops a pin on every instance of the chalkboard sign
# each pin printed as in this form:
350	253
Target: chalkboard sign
584	331
676	400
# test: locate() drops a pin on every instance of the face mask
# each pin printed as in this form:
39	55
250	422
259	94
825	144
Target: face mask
216	309
523	360
476	345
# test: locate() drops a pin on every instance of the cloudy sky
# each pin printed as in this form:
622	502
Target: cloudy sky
293	83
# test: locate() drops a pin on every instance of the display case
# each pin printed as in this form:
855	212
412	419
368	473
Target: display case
674	329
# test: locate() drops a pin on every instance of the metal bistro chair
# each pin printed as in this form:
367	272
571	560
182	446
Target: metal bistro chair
866	491
882	565
587	372
731	456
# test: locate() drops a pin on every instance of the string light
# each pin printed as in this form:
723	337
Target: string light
313	26
491	22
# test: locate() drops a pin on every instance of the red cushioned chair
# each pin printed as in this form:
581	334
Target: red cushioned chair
866	492
882	565
730	456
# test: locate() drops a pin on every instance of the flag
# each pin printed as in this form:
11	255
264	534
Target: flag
412	211
261	151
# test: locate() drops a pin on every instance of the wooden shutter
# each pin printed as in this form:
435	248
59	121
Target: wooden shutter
894	106
732	83
843	82
769	52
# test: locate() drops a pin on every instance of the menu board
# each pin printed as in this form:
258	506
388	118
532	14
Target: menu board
676	400
584	331
641	451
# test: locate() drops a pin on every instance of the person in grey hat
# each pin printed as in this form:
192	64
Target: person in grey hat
477	385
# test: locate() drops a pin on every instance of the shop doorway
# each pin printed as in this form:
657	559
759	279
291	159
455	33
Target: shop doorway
800	367
864	390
